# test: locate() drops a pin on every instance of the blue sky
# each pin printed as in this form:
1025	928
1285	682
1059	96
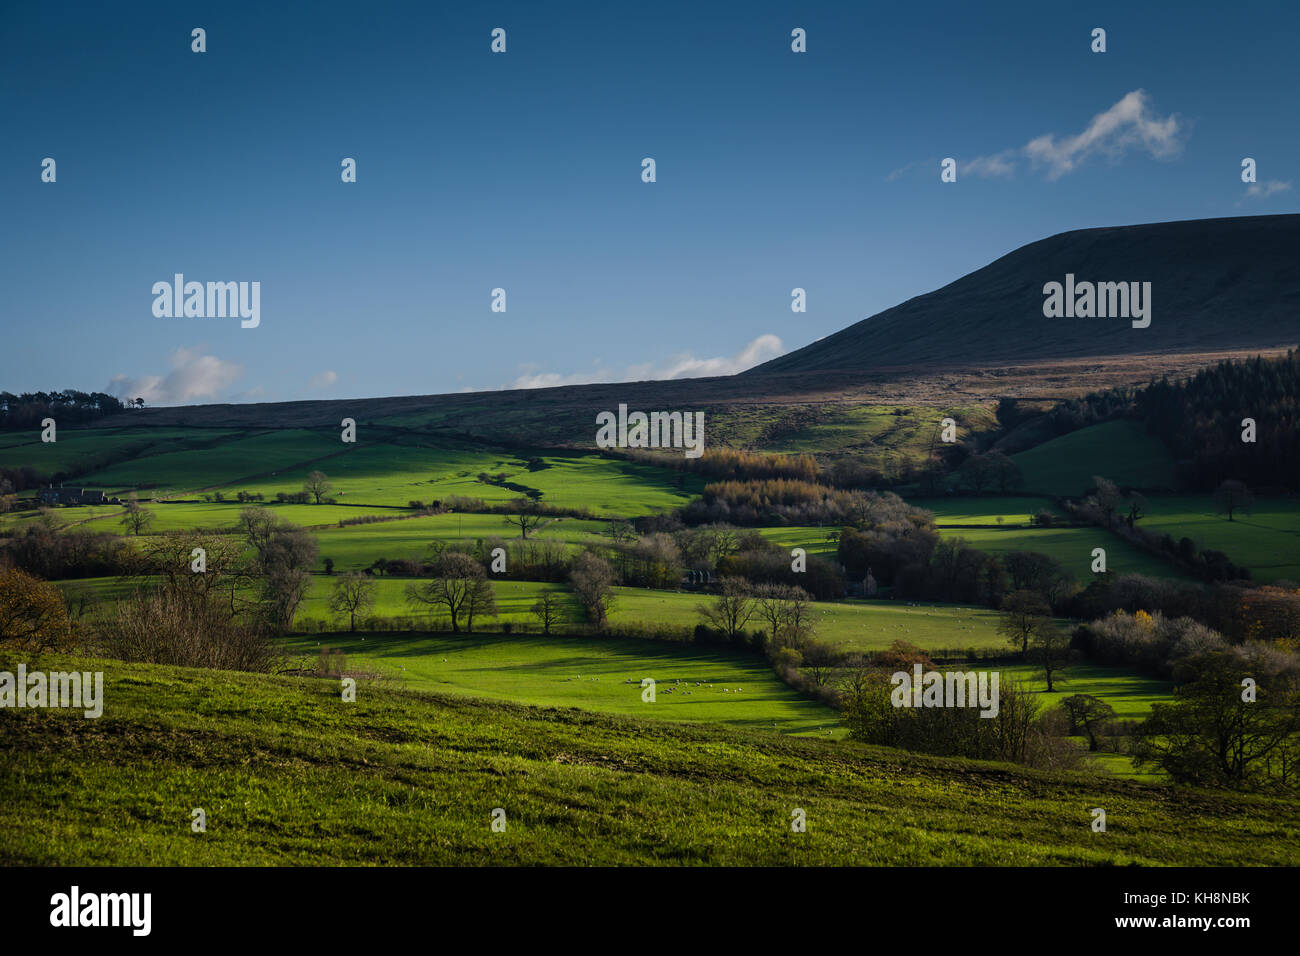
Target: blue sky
522	171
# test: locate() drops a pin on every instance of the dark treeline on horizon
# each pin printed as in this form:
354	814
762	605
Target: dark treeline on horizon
67	407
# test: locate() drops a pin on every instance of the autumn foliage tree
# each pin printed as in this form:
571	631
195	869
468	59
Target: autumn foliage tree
32	614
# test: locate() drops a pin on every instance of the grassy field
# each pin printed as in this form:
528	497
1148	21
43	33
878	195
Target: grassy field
1011	510
1266	539
601	674
391	471
90	448
853	624
221	464
359	545
289	774
1121	451
1072	547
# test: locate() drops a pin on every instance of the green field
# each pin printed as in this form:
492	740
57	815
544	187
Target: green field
397	474
358	546
392	471
1071	546
1266	539
1011	510
1121	451
88	448
289	774
601	674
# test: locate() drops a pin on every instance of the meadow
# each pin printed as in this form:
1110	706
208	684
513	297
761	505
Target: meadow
980	510
289	774
391	471
602	674
357	546
1072	546
86	449
1120	450
1265	539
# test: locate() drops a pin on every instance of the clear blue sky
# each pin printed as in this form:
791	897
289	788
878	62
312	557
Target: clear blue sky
522	171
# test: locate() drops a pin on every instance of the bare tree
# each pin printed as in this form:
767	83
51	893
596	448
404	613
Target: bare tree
353	593
317	485
1049	648
136	519
549	610
782	607
732	609
1024	614
528	517
458	586
1233	496
593	583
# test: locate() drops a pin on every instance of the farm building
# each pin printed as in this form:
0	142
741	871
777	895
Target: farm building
74	496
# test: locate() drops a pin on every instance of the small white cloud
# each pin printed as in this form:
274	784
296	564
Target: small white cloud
999	164
193	376
682	366
325	379
1265	189
1129	124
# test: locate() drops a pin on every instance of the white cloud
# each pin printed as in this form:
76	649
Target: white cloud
1129	124
193	376
681	366
324	380
1266	189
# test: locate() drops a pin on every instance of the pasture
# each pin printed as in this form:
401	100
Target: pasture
602	674
1072	546
1003	510
290	774
1265	539
1120	450
357	546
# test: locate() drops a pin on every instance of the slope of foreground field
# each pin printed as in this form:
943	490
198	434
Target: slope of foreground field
289	774
603	674
1265	539
1121	451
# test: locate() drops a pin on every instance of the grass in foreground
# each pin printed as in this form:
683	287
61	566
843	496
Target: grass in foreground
289	774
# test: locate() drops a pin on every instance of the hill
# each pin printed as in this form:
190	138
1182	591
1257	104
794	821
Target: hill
1216	284
288	774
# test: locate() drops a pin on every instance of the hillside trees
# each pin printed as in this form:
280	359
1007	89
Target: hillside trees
1213	735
